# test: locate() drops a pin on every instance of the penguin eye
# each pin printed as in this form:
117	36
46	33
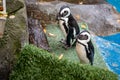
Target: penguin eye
85	37
64	13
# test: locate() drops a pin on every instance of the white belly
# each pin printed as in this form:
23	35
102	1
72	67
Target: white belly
62	27
80	49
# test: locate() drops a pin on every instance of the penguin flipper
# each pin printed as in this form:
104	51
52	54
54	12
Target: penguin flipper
91	55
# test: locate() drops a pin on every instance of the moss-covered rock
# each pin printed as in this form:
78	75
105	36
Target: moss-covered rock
15	36
37	64
3	40
13	6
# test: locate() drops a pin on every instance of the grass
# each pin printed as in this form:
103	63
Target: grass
38	64
69	54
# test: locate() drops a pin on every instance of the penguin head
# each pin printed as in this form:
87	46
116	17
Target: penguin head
84	37
64	12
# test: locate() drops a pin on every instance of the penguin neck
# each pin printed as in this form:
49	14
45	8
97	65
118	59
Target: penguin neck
64	19
70	17
84	43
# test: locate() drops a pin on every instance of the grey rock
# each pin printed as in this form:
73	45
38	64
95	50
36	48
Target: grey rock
78	1
36	29
102	19
36	34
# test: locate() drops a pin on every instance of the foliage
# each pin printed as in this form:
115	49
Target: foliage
37	64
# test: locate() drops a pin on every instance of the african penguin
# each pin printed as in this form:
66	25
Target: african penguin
68	25
84	47
62	17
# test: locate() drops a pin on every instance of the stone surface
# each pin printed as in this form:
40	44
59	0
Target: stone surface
37	34
102	19
78	1
13	6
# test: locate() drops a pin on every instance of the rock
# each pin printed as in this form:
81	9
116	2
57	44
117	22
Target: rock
94	1
36	34
79	1
102	19
13	6
36	30
15	37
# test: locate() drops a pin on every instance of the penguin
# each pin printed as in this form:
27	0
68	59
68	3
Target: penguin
85	48
68	25
62	18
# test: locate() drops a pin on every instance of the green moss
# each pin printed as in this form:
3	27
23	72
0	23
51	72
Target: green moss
37	64
70	54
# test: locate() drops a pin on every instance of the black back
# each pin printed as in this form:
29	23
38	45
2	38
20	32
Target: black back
73	24
90	53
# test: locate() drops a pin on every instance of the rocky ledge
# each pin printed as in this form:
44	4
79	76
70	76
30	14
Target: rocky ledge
102	19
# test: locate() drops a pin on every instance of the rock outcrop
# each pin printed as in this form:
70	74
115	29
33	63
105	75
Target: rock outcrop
102	19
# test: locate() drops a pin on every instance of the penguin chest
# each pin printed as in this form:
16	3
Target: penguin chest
62	27
81	52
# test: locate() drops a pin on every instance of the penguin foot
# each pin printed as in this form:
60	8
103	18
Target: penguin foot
66	47
63	41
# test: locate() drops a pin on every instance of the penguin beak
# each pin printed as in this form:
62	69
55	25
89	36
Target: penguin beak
58	17
76	37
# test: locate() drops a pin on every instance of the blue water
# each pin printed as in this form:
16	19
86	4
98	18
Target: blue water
115	38
115	3
110	45
110	50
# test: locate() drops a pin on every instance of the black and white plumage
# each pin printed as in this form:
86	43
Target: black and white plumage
84	47
68	25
